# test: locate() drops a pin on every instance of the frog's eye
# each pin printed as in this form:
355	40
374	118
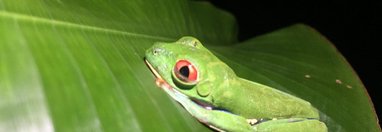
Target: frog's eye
185	73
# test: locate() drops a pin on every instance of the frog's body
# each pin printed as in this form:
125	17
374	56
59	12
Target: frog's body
268	102
217	97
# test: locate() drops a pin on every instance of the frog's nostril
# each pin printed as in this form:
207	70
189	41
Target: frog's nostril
156	51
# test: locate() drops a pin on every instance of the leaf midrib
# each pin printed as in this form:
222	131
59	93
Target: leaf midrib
81	26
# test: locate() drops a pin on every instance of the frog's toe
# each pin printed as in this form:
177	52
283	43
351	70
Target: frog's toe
252	121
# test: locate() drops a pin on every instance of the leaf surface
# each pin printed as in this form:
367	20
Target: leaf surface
70	65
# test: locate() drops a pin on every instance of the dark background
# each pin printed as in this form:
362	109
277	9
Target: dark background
353	27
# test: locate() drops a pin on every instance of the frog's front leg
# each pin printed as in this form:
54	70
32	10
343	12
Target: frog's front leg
223	121
216	119
291	125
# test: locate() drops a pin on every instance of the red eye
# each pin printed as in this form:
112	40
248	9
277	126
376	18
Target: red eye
185	71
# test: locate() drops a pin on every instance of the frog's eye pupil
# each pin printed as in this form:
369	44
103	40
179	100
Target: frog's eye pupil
184	71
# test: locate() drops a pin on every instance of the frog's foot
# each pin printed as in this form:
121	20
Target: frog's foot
254	122
292	124
215	128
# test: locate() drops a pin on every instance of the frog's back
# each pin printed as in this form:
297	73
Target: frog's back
253	100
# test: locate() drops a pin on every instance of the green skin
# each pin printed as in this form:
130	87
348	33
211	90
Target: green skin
218	86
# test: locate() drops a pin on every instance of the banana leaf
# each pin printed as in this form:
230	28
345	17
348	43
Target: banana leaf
77	65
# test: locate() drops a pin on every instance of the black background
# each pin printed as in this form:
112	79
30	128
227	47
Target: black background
353	27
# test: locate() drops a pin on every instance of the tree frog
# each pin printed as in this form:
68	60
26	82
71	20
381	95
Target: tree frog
211	92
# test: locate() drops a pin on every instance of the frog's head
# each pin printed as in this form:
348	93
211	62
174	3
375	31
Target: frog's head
188	67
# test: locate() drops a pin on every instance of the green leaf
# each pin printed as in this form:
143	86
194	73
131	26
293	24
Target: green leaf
78	66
